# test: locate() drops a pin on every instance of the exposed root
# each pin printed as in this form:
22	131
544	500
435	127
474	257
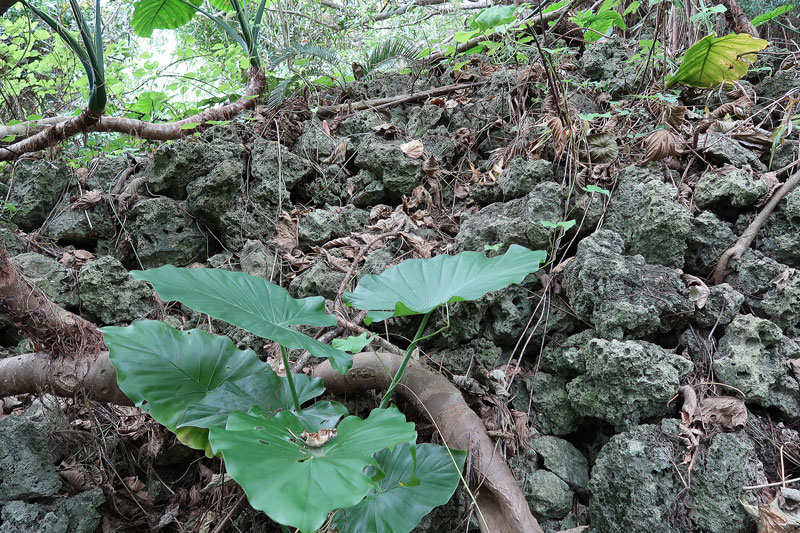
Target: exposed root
502	503
51	328
742	244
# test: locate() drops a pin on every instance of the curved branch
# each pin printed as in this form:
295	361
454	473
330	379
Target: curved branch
743	242
501	501
86	122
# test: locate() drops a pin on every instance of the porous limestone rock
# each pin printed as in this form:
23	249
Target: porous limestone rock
645	212
624	296
752	356
626	381
110	295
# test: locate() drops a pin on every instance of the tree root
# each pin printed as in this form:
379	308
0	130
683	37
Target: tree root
742	244
499	497
51	328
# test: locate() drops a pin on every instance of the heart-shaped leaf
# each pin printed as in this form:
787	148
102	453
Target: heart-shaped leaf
170	373
149	15
417	286
297	484
713	60
397	506
267	392
249	302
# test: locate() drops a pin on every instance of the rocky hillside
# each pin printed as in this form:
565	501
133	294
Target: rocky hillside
627	388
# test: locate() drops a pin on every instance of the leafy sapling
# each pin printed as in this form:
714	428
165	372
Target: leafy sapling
299	462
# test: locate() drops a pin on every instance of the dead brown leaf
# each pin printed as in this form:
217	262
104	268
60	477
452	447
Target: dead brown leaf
723	411
413	149
88	199
661	144
698	290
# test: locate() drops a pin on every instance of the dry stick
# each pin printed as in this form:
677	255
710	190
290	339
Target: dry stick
329	110
743	242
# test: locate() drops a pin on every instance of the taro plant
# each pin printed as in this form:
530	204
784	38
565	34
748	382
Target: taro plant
298	458
714	60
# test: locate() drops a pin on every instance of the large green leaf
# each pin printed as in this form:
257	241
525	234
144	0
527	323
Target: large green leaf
417	286
714	60
173	373
771	15
249	302
397	506
265	391
149	15
296	484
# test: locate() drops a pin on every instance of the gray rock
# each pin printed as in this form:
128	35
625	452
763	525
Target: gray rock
266	166
319	280
547	495
522	176
607	61
47	410
780	236
76	514
644	211
721	149
438	142
551	411
781	303
368	189
322	225
257	259
500	317
626	381
707	239
732	187
730	463
163	233
564	460
248	221
753	274
514	222
634	484
179	163
623	296
36	188
424	118
26	464
80	226
398	172
752	356
110	295
722	306
314	144
210	196
360	122
567	358
55	280
480	354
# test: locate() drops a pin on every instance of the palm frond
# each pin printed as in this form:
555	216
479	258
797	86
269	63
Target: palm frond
391	52
296	50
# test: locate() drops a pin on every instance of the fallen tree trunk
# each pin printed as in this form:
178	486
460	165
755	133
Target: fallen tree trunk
502	504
